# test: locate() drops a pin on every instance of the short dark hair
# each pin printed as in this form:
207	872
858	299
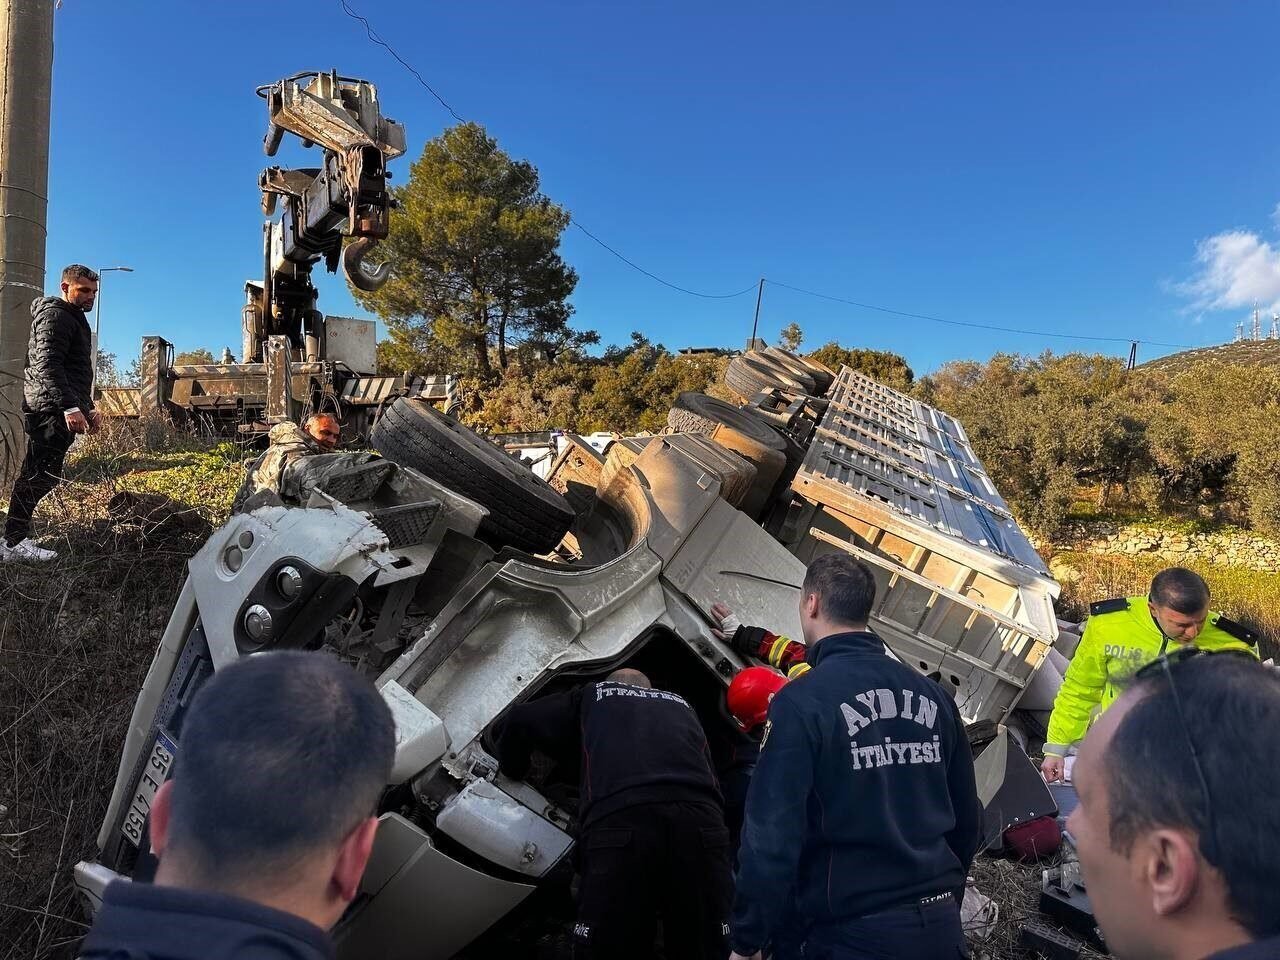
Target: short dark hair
844	585
282	754
1180	589
1231	706
78	271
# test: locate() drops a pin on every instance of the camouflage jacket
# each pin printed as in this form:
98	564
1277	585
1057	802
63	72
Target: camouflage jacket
289	442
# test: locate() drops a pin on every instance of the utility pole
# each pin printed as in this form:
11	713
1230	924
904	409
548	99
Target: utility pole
26	70
1133	355
756	322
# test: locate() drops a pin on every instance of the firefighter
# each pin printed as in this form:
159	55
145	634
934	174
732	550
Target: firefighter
1119	638
780	652
749	695
747	700
863	815
652	838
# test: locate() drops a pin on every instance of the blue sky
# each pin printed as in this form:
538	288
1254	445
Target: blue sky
1104	169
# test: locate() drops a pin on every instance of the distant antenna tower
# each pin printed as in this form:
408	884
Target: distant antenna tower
1275	326
1239	332
1257	325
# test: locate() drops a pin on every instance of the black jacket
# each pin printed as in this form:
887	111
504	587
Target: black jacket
863	797
636	746
140	921
59	372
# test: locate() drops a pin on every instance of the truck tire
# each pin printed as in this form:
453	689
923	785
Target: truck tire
523	511
802	376
770	465
747	376
820	371
741	432
698	413
822	379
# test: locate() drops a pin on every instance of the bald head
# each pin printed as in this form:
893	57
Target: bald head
324	429
633	677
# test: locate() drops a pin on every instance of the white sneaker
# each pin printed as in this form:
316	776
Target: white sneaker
28	551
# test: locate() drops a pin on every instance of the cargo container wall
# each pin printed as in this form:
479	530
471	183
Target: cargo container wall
962	593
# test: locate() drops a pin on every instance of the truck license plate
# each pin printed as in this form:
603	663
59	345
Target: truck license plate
153	775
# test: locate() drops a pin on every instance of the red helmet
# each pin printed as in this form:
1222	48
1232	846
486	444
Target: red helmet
749	695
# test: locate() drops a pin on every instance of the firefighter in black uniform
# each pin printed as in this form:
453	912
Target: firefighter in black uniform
652	838
863	811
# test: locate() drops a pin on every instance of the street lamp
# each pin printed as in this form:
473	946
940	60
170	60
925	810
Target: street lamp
97	320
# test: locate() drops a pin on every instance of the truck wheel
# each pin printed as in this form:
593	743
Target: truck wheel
698	413
746	376
798	365
523	511
741	432
801	376
820	372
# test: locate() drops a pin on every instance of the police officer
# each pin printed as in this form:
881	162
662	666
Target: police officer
652	839
863	806
1119	638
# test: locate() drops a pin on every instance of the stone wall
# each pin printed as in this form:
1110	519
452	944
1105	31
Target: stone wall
1236	548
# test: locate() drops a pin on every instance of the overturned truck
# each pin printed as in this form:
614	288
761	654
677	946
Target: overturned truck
463	584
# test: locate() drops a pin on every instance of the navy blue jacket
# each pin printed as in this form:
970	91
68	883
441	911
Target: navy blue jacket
637	746
1267	949
863	799
141	921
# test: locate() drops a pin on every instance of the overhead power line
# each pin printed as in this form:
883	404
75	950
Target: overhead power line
654	276
376	38
978	326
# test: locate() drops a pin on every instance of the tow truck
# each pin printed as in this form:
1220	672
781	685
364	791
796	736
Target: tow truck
294	359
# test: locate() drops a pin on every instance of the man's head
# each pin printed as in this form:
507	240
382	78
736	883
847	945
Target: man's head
836	595
633	677
324	429
281	761
1167	876
1179	603
79	286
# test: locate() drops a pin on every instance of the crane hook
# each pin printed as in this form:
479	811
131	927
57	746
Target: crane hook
362	276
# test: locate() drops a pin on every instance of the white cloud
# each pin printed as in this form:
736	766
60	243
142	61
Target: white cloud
1236	268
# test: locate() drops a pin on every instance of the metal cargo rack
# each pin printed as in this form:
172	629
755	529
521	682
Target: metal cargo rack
962	593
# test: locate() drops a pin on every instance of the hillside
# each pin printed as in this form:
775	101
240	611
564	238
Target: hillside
1252	353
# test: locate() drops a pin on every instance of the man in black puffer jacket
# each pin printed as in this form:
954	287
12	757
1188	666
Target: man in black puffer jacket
57	403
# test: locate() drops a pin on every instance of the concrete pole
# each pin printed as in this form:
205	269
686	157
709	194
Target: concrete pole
26	76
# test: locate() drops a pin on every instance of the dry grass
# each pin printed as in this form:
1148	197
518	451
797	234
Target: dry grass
76	638
1015	887
1242	594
